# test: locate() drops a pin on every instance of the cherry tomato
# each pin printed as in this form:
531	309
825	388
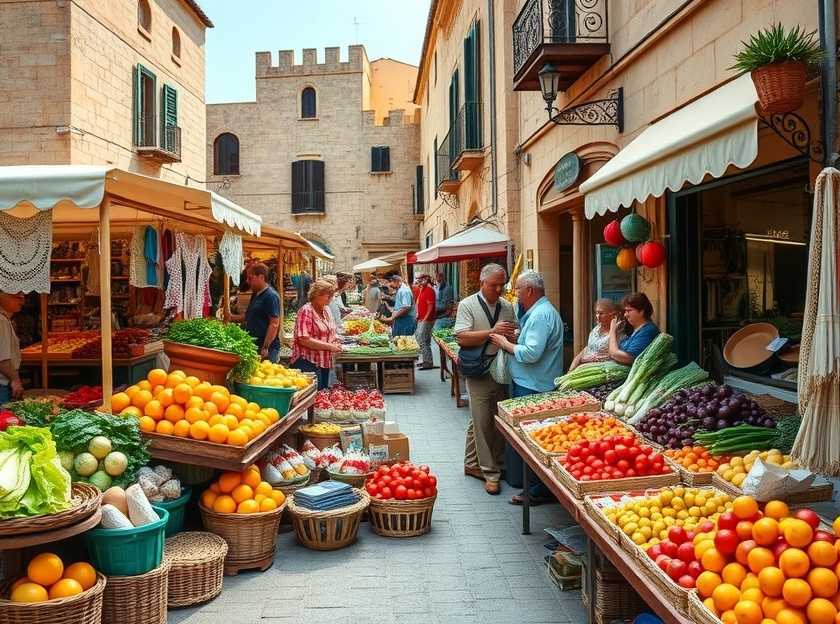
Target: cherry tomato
400	492
386	492
424	468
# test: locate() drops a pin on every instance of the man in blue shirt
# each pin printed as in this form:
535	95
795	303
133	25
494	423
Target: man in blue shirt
262	318
537	356
403	316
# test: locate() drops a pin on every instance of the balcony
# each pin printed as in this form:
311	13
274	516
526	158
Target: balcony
570	34
308	203
468	148
168	150
448	179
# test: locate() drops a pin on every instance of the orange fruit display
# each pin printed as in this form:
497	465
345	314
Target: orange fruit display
760	558
771	580
748	612
790	616
822	554
794	563
776	509
218	433
796	592
268	504
29	592
823	582
242	492
65	588
147	424
120	401
224	504
765	531
726	596
181	429
733	573
140	398
714	560
821	611
228	481
221	400
745	507
237	437
165	427
45	569
157	377
706	583
174	413
798	533
248	506
199	430
154	409
182	393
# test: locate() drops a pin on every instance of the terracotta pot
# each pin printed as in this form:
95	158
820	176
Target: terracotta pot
207	364
780	86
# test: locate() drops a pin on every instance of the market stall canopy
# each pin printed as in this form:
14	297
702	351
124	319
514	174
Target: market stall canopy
381	262
479	240
702	138
70	190
272	238
319	251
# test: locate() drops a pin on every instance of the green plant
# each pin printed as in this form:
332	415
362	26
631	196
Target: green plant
213	334
774	45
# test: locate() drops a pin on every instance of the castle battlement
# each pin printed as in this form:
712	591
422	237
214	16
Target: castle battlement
395	118
309	66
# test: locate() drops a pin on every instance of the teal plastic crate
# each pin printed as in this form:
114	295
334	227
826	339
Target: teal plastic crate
267	396
128	552
177	510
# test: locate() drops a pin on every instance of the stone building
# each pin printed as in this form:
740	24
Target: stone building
323	152
118	82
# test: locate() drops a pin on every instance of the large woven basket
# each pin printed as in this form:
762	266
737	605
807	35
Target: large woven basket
85	608
698	612
401	518
356	480
196	567
780	86
137	599
328	530
86	499
290	487
251	538
614	598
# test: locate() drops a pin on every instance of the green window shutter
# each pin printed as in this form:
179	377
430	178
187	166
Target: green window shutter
137	121
144	88
472	88
168	117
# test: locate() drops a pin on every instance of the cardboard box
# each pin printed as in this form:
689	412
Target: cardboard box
384	443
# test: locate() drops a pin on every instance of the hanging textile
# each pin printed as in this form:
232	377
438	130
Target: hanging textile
150	254
189	276
230	250
92	265
25	249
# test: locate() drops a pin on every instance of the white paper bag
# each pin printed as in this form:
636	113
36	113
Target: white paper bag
770	482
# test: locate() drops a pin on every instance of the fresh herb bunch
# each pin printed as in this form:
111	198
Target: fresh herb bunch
213	334
774	45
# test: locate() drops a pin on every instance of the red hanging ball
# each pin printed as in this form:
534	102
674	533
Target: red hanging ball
651	254
612	234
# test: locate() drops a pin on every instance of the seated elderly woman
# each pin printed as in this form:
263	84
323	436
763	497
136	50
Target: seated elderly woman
638	311
597	348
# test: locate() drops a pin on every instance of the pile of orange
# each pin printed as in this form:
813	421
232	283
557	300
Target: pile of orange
242	492
696	459
783	571
558	437
184	406
47	579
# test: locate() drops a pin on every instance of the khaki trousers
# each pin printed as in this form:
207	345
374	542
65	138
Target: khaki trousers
485	446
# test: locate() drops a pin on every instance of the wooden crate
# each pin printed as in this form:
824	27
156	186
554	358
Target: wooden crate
397	377
358	375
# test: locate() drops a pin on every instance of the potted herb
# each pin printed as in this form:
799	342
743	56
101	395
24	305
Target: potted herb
211	349
776	60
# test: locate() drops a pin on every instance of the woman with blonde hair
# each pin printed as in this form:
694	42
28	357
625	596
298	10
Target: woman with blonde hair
597	347
315	334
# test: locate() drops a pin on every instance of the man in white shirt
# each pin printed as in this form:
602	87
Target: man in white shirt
10	385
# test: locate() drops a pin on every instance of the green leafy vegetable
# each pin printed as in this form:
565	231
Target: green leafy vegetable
34	412
213	334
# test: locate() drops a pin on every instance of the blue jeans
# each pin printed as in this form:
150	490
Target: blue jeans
404	326
536	487
274	353
5	393
321	374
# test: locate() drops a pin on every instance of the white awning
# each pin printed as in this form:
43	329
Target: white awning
319	251
702	138
382	262
477	241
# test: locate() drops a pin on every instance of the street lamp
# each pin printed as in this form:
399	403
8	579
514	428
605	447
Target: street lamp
549	85
606	112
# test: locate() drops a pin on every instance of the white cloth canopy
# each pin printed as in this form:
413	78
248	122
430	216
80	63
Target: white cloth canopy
382	262
479	240
702	138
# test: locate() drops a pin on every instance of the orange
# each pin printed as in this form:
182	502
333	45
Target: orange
714	560
165	427
252	479
144	384
748	612
230	422
796	592
65	588
750	581
745	507
264	419
258	427
836	525
199	430
790	616
140	398
794	563
734	574
246	422
221	401
45	569
224	504
157	390
174	379
147	424
214	487
237	437
29	592
222	389
728	617
822	554
798	533
194	414
131	411
218	433
776	509
157	377
238	400
709	603
253	407
267	504
208	497
215	420
178	372
702	546
192	381
174	413
182	393
249	433
726	596
210	408
771	606
706	583
228	481
165	397
204	390
753	593
20	581
120	401
280	498
765	531
234	410
759	558
242	492
263	488
248	506
132	390
154	409
823	582
194	401
181	429
770	581
260	498
821	611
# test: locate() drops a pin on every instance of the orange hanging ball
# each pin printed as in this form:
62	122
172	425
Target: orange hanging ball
626	259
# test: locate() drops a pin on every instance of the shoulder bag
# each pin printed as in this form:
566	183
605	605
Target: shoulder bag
474	361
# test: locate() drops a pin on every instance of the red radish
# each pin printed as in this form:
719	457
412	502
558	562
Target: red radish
808	516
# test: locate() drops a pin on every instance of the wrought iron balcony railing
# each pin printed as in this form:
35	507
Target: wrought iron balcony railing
466	133
168	149
446	156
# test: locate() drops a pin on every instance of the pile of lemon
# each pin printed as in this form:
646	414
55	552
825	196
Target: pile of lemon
737	468
278	376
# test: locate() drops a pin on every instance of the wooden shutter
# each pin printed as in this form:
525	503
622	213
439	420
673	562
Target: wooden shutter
317	185
137	125
419	190
435	161
374	159
385	158
168	117
472	88
298	185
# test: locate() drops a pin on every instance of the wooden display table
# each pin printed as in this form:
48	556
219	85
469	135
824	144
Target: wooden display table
623	562
389	373
449	366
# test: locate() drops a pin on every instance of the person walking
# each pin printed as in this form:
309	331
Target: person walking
403	317
262	318
537	357
425	322
479	317
373	296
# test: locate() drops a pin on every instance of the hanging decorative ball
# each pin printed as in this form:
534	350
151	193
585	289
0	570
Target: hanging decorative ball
612	234
635	228
626	259
639	253
651	254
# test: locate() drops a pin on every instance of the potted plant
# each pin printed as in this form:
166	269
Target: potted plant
776	60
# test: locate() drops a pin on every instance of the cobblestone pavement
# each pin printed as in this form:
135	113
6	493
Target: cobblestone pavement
474	566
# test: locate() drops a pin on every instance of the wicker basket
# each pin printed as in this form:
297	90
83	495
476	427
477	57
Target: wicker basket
321	441
780	86
356	480
251	538
86	500
401	518
581	488
196	567
290	487
694	479
595	512
698	612
137	599
328	530
614	598
85	608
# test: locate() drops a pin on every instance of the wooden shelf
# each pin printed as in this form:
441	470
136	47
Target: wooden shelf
65	281
67	259
63	303
119	277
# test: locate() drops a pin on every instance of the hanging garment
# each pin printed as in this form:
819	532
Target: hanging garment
25	249
92	266
230	250
189	276
175	270
137	260
150	254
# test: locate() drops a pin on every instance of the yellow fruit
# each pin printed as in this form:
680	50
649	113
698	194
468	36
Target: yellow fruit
140	398
165	397
253	479
210	408
726	596
154	408
237	437
174	413
248	506
796	592
45	569
194	414
29	592
147	424
208	497
224	504
192	381
132	390
194	401
131	410
268	504
175	378
221	401
65	588
181	429
20	581
199	430
218	433
748	612
120	401
144	384
182	393
278	497
242	492
798	533
165	427
707	582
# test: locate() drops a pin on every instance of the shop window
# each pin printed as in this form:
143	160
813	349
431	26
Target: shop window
308	186
176	43
308	104
144	16
226	154
380	159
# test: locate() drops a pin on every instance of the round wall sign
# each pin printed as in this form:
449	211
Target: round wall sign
567	171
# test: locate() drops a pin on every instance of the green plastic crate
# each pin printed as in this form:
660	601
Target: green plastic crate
128	552
267	396
177	510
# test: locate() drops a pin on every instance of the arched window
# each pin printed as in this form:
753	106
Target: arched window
176	43
144	15
226	154
308	104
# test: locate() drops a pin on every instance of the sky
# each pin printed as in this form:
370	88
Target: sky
392	28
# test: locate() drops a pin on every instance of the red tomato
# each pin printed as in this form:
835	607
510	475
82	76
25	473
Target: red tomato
623	465
404	470
386	492
383	469
823	536
634	451
423	479
372	489
432	481
576	474
642	464
629	473
400	492
411	494
427	492
385	479
610	457
677	535
726	541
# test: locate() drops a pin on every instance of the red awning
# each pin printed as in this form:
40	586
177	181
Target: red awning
475	242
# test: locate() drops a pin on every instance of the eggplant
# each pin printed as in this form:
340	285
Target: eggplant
721	424
769	423
724	412
708	423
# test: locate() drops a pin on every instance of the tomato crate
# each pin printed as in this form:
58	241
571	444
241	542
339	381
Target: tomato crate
580	489
554	406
